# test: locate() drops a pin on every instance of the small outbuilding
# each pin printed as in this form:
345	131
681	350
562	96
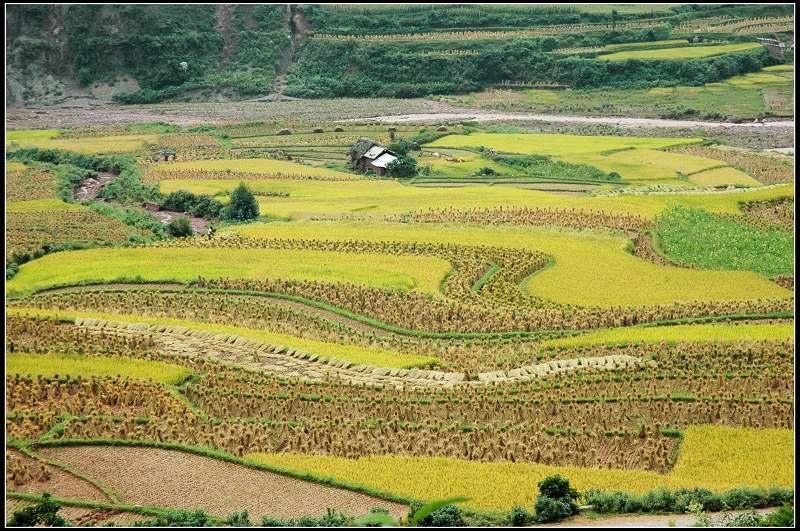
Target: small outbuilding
367	155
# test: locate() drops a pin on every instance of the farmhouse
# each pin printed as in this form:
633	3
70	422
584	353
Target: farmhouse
368	155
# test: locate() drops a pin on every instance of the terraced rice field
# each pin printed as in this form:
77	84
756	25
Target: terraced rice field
675	54
50	139
343	341
635	159
499	486
181	480
590	269
52	365
184	264
377	198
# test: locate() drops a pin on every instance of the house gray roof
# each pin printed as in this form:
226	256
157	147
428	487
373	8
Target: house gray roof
361	147
374	152
384	160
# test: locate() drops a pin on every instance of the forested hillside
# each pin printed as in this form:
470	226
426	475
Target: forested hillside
144	53
152	53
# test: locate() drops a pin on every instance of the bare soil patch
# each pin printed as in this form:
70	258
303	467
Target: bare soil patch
90	188
168	478
199	225
60	484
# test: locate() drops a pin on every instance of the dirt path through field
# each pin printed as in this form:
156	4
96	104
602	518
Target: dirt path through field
493	116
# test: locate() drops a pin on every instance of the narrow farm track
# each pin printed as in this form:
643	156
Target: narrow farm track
494	116
289	363
170	478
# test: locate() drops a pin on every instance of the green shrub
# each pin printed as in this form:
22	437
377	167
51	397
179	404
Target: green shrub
556	500
240	519
519	516
243	205
180	227
446	516
403	167
177	518
678	501
43	513
550	510
199	205
332	518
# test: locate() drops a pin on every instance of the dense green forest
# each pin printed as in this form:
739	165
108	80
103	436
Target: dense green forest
350	68
184	52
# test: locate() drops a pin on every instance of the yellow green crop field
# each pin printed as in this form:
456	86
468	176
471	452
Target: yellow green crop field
419	273
14	166
48	139
49	365
31	135
378	197
590	269
636	159
732	458
266	167
676	333
721	457
688	52
721	177
555	145
647	44
351	353
42	205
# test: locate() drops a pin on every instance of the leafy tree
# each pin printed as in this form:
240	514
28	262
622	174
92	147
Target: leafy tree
43	513
403	167
243	205
556	499
180	227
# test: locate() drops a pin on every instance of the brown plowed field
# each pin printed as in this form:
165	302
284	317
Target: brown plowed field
168	478
61	484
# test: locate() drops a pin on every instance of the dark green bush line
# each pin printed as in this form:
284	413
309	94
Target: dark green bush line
678	501
377	66
431	17
91	504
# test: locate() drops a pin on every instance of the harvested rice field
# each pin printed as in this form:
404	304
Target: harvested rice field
400	265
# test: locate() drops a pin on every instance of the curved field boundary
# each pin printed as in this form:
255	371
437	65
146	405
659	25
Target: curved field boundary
252	355
328	311
262	490
272	358
107	491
